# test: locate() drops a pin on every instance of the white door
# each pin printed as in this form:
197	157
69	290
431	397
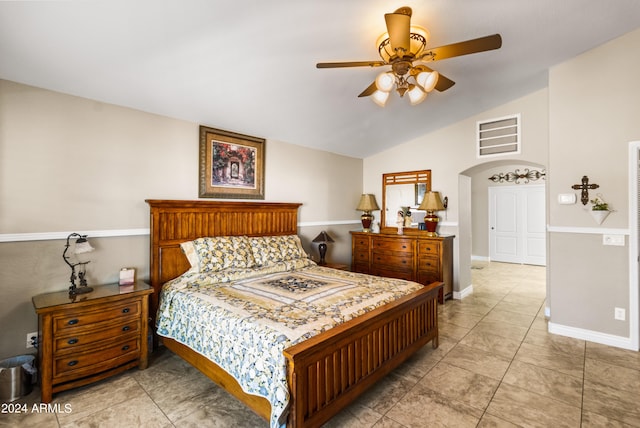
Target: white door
517	224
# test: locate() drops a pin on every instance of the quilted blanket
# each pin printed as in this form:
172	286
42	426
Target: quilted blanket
245	320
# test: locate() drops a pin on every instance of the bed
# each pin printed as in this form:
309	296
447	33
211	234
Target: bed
325	372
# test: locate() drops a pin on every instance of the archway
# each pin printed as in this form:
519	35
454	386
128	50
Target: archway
472	190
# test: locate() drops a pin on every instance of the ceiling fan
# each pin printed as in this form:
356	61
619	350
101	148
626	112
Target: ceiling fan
401	46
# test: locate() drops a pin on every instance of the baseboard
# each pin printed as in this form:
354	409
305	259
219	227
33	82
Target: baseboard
459	295
480	259
592	336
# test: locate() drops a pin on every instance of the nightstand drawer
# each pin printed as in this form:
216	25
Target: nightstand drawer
95	317
396	245
75	342
90	362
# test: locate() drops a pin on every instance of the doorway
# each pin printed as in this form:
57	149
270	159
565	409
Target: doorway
517	227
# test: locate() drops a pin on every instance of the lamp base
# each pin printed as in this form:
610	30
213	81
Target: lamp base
322	249
80	290
431	223
367	219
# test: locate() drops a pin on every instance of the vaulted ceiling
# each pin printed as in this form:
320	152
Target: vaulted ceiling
249	65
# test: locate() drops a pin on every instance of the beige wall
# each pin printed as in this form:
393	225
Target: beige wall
594	111
69	164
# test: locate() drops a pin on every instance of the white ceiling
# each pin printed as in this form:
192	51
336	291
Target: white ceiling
249	65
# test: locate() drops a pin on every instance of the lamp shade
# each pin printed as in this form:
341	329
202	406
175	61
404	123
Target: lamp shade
367	203
83	245
431	202
323	237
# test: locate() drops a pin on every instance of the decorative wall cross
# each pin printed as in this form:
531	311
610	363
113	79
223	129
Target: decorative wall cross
585	186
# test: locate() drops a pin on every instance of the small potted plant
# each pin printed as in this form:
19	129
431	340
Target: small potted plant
599	209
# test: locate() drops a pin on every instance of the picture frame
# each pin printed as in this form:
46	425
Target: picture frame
231	165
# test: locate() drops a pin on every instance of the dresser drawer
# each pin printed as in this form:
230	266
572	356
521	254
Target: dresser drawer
426	277
393	262
390	273
429	248
360	267
395	245
95	317
361	243
429	264
91	338
361	256
112	355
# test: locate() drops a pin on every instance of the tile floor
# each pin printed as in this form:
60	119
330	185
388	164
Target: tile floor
496	367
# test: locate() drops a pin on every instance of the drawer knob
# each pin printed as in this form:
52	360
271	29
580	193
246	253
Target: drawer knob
125	348
126	328
72	363
404	246
125	311
72	341
73	321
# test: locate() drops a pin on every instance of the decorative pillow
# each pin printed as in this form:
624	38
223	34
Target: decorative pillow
214	254
268	250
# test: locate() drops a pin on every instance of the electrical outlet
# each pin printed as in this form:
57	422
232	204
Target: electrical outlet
32	339
619	314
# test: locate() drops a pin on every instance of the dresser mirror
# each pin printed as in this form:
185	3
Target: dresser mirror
402	192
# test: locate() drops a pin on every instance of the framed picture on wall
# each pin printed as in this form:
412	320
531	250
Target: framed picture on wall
231	165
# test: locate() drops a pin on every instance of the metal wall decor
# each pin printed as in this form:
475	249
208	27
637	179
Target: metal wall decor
516	176
585	186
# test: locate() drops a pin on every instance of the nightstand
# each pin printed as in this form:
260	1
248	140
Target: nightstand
89	337
336	266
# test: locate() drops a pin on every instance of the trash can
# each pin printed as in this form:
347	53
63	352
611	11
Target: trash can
16	377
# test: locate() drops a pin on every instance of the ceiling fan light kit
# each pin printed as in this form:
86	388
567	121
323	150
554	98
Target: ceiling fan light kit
399	47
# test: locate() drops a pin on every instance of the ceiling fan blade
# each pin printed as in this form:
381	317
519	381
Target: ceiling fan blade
443	83
481	44
398	27
370	90
350	64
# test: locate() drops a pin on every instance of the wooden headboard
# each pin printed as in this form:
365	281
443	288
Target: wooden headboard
177	221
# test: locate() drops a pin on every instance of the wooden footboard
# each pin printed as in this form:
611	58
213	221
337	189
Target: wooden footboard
327	372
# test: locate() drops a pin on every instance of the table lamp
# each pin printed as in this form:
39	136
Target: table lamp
82	245
366	205
431	203
323	237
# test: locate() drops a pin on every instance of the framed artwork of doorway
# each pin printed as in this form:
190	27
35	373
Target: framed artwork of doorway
231	165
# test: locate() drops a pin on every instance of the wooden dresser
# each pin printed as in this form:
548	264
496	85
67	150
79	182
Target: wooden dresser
413	257
91	336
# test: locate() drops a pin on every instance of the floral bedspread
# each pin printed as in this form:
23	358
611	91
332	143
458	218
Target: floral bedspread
244	320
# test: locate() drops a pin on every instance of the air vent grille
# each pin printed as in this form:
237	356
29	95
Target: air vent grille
499	136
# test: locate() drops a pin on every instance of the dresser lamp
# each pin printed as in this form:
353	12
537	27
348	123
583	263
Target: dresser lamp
366	205
81	246
322	238
431	203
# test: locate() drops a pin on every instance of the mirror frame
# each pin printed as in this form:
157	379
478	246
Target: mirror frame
394	178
